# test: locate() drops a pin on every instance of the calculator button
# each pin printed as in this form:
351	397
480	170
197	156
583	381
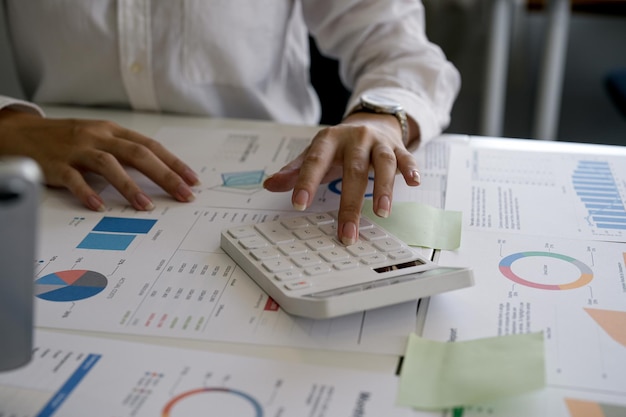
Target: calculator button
346	264
297	285
241	232
295	222
387	244
365	223
320	243
320	218
400	254
264	253
253	242
292	248
307	233
274	232
305	259
361	249
277	265
288	275
329	229
372	234
317	269
373	259
334	255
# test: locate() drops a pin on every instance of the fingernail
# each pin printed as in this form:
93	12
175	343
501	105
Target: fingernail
191	177
95	203
348	236
384	207
144	202
300	200
416	176
184	193
266	180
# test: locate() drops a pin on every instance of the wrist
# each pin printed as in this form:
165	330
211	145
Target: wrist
379	104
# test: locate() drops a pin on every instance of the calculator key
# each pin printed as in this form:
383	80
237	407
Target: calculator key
320	243
317	269
346	264
329	229
241	232
374	259
334	255
387	244
277	265
305	259
361	249
292	248
295	222
400	254
297	285
307	233
372	234
253	242
320	218
274	232
288	275
365	223
264	253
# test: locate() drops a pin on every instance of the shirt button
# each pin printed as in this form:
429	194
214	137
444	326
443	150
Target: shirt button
135	68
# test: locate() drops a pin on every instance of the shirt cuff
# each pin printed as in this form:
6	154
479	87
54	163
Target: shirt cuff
20	105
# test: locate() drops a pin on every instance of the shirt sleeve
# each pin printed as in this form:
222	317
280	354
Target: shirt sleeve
21	105
382	47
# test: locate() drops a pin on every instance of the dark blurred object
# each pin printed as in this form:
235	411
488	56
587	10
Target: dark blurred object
616	86
592	6
332	93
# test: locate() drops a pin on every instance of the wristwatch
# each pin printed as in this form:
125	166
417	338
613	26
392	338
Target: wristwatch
375	103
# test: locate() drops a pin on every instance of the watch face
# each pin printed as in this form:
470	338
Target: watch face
376	101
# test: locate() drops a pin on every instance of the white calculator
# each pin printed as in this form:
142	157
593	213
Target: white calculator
302	265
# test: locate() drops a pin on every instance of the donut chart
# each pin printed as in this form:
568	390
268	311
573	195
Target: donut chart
253	404
335	186
586	274
70	285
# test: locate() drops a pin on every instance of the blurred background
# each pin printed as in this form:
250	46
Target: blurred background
595	49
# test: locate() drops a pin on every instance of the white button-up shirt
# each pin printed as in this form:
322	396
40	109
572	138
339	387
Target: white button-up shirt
227	58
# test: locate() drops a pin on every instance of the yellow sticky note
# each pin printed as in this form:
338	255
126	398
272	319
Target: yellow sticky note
439	375
419	224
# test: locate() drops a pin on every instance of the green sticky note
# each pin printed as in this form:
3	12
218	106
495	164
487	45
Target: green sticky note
440	375
419	224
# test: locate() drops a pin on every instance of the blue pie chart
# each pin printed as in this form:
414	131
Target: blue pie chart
71	285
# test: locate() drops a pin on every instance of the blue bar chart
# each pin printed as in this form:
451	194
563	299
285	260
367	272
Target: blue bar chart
115	233
597	189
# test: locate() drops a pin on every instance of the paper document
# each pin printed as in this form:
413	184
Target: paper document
572	190
558	267
77	376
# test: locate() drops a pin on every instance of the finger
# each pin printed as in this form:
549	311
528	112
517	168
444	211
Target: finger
146	161
108	166
407	164
385	167
355	179
315	163
74	181
161	152
285	179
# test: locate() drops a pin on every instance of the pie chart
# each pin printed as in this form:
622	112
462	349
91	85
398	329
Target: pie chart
71	285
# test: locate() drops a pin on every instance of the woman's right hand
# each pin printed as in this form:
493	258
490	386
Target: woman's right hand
65	149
